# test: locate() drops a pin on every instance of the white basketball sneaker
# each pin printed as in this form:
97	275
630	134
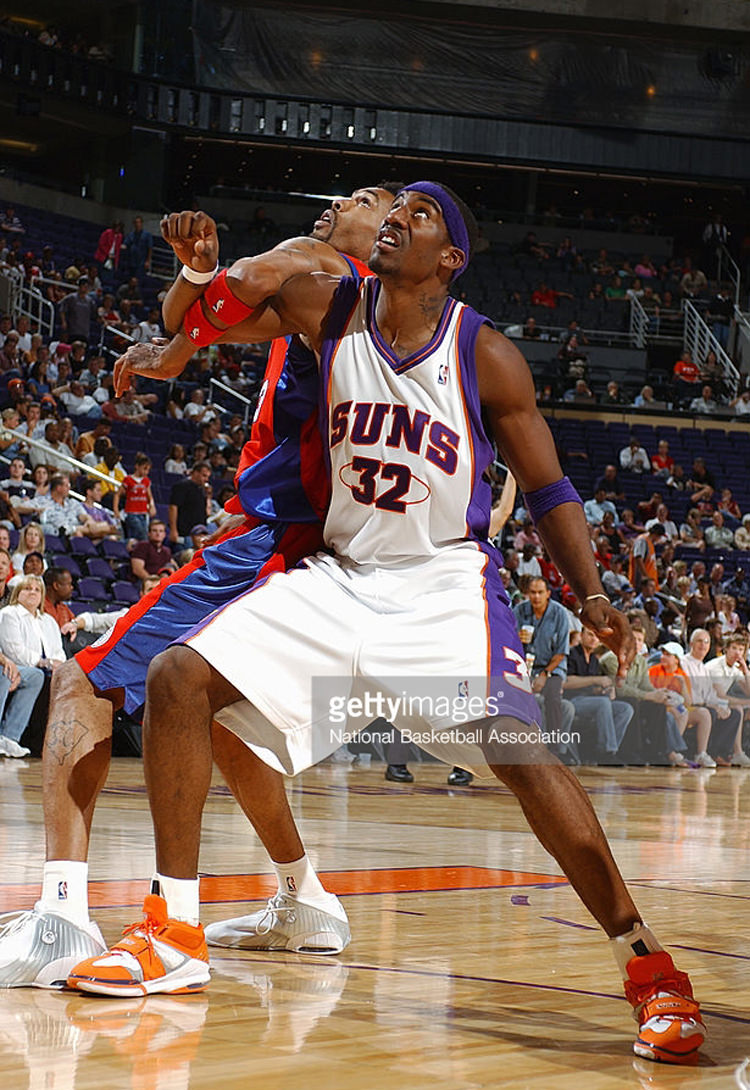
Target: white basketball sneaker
284	924
39	948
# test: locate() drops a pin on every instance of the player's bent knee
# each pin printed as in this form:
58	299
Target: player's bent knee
69	682
510	743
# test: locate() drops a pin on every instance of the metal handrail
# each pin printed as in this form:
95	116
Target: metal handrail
699	340
639	323
735	276
90	471
240	397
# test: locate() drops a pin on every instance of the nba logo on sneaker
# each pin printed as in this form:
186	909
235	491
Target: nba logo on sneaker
62	891
291	885
463	689
443	374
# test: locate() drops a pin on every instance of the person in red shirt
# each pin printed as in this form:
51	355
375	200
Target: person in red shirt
686	374
662	462
547	297
135	490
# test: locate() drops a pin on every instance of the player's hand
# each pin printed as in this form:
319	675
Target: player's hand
613	630
194	239
144	359
226	527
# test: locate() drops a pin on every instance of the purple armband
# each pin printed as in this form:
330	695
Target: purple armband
540	502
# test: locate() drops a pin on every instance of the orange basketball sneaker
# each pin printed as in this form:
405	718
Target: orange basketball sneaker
155	955
671	1029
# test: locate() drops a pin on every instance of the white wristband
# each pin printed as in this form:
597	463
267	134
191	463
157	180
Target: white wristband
194	277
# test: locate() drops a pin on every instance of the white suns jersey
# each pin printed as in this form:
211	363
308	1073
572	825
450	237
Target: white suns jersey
405	438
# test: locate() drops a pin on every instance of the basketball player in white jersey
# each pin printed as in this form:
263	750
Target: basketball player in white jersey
411	594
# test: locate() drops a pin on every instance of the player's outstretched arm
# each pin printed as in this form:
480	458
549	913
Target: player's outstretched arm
301	306
507	392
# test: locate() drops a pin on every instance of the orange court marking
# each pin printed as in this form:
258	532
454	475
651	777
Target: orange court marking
223	888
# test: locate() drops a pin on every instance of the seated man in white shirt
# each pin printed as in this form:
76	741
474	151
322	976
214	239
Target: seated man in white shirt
731	677
634	458
727	743
596	508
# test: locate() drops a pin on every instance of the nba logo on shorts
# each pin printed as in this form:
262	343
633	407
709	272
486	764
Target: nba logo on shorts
291	885
62	891
463	689
443	374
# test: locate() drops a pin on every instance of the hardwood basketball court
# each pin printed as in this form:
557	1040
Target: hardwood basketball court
472	964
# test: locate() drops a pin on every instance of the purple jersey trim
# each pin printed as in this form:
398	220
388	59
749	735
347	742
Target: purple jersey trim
395	362
480	501
344	301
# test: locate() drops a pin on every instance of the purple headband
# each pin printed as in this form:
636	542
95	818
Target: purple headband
454	221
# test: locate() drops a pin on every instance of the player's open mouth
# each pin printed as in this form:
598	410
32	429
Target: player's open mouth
325	219
388	239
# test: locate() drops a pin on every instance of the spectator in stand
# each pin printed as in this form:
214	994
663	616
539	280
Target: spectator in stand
108	247
646	400
531	331
528	563
91	488
138	498
719	536
662	516
10	223
17	485
647	508
742	534
615	290
700	606
545	634
701	483
592	693
608	530
30	539
720	315
566	252
58	584
10	354
694	283
108	314
646	597
646	268
726	732
614	580
706	403
152	556
727	613
92	374
614	396
580	394
127	409
635	291
628	529
691	531
55	453
77	312
197	410
729	673
573	330
113	467
668	674
643	556
63	514
544	296
739	588
634	458
527	535
138	245
741	404
188	503
77	402
29	635
686	378
176	463
596	508
130	292
728	506
87	440
146	330
610	482
662	462
530	245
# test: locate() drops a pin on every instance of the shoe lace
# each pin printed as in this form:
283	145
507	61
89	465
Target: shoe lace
144	929
15	921
274	908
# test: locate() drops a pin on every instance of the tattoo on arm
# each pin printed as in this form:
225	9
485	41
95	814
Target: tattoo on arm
63	736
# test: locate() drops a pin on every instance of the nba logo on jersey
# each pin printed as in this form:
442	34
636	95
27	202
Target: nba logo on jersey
443	374
463	689
291	885
62	891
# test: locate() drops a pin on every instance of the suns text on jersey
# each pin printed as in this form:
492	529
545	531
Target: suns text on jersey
366	422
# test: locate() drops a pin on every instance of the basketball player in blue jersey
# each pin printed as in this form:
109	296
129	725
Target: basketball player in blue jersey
279	522
409	595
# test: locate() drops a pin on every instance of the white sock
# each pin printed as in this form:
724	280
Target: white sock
182	896
635	943
298	879
65	890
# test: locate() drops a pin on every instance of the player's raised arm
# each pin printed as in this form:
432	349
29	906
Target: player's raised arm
507	392
300	306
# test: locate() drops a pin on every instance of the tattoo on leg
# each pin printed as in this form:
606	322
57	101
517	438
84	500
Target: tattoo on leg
63	736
